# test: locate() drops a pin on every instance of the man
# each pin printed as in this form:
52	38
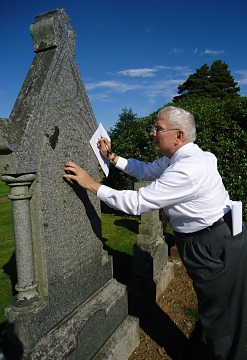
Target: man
187	185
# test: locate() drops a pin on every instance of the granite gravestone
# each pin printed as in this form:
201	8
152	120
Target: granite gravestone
68	304
151	271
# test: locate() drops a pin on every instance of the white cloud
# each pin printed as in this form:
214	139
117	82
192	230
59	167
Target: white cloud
176	51
148	30
195	51
138	72
243	75
145	86
100	97
162	67
150	72
113	85
214	52
241	72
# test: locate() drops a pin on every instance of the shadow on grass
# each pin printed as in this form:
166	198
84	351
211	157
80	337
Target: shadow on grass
129	224
122	263
10	270
11	352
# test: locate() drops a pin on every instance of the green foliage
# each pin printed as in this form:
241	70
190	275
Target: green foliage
126	119
221	82
214	82
196	83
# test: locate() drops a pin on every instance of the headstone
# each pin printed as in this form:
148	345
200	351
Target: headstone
68	304
151	272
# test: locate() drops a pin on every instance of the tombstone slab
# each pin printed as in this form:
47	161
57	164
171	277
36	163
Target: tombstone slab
68	305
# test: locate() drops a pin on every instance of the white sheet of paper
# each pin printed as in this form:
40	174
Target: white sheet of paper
99	133
236	217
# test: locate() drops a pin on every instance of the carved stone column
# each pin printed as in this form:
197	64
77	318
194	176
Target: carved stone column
19	195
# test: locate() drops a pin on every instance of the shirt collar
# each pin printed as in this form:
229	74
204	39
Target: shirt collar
180	152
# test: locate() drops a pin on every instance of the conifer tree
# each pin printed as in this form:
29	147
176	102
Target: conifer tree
214	82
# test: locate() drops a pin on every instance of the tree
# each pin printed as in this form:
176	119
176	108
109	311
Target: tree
196	83
126	120
214	82
221	82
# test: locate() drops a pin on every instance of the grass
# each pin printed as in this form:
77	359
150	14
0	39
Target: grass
4	189
7	265
119	232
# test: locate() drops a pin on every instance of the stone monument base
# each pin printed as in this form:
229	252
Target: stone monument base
122	343
151	289
98	329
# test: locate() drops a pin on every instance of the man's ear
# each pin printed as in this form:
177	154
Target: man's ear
180	134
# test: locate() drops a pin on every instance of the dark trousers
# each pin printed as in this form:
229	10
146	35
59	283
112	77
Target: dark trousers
217	264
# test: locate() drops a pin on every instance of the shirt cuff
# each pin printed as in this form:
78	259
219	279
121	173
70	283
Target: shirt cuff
103	192
121	163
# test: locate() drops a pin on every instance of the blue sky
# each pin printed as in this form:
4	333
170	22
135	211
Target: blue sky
130	53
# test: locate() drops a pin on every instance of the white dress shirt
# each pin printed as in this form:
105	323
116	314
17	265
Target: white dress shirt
188	187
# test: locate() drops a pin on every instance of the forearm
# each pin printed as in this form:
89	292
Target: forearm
113	158
93	187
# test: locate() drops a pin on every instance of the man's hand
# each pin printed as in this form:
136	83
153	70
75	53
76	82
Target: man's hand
104	147
76	173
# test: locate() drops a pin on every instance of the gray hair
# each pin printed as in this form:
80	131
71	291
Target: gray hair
178	118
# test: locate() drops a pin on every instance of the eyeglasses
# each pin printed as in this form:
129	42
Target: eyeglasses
156	130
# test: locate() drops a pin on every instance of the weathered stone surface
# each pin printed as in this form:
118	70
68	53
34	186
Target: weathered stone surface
92	322
148	260
53	93
79	306
115	350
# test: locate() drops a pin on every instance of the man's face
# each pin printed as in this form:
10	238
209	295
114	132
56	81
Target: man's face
165	138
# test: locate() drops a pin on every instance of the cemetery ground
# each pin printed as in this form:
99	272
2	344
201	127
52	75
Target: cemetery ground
169	328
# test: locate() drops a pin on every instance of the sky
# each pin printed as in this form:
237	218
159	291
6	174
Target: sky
130	53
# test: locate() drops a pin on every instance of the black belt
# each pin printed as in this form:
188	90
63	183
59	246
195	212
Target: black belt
217	223
225	219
